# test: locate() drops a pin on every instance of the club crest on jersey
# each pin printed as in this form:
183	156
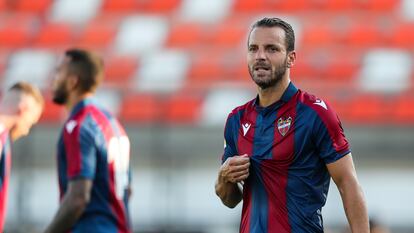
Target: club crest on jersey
283	125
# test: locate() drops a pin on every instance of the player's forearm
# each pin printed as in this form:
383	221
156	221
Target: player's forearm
355	207
229	193
69	212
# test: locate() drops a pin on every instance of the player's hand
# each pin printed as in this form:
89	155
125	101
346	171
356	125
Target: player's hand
235	169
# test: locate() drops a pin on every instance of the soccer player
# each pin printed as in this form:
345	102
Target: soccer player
93	153
20	108
284	146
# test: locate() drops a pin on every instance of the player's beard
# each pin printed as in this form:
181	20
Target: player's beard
270	80
60	95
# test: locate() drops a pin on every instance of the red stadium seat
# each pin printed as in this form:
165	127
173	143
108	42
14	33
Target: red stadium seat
54	35
206	68
185	35
119	70
141	108
229	34
336	5
120	6
289	6
368	109
381	6
164	6
402	35
16	31
98	36
183	108
403	110
33	6
342	65
366	35
318	35
248	6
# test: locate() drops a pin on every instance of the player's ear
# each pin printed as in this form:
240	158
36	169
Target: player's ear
291	58
72	82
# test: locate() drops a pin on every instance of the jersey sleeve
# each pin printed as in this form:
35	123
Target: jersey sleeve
329	135
81	153
229	144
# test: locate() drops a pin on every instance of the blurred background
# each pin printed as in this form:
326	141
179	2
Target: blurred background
176	68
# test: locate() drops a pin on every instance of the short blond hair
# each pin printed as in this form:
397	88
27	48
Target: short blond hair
29	89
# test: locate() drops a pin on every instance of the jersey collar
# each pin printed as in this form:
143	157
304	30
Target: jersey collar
287	95
80	105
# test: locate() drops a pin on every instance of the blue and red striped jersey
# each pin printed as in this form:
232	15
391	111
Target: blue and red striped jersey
5	165
289	144
93	145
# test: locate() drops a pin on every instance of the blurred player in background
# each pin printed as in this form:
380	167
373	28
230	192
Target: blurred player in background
20	108
284	146
93	153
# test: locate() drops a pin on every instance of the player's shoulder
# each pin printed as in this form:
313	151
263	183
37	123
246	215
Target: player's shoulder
242	108
314	102
319	107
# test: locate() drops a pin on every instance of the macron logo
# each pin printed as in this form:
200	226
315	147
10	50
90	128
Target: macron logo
246	128
321	103
70	126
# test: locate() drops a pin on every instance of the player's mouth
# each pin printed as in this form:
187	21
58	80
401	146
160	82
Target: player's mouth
261	68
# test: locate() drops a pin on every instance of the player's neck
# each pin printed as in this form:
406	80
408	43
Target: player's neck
270	95
75	99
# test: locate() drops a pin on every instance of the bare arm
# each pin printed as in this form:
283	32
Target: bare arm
233	170
344	175
73	204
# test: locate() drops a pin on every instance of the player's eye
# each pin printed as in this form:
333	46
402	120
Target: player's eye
252	49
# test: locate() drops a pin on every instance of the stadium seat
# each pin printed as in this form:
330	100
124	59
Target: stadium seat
185	35
365	35
30	65
141	34
376	6
164	7
119	70
16	30
141	108
290	6
229	34
219	102
33	6
54	35
120	6
98	36
248	6
318	35
196	10
402	35
403	109
407	10
74	12
335	5
162	71
386	71
205	68
368	109
183	108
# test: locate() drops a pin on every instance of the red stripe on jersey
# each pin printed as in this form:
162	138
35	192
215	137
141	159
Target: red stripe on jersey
275	173
245	146
117	206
